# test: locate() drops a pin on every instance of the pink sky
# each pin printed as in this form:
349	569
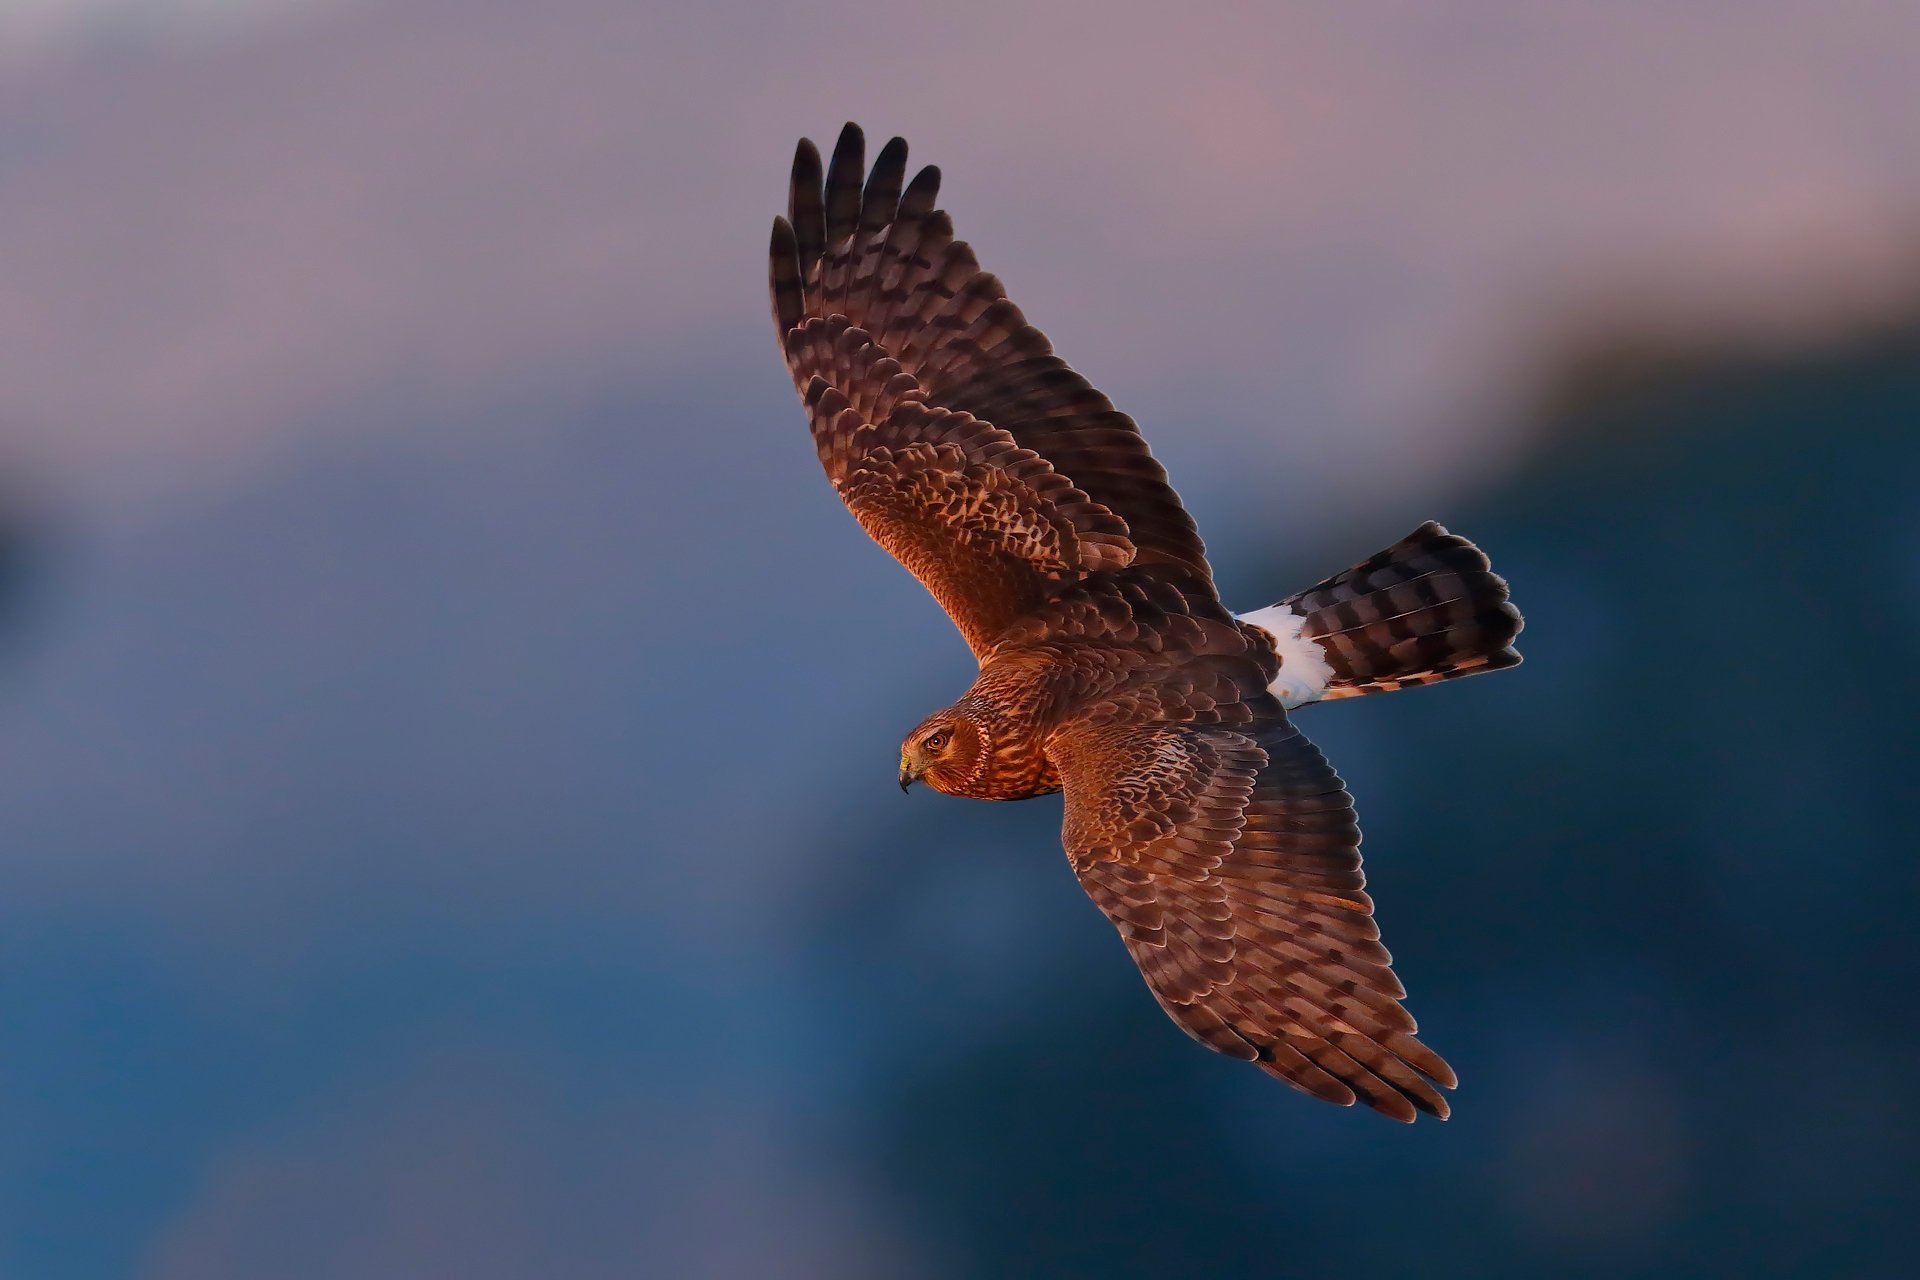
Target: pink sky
1314	237
1350	221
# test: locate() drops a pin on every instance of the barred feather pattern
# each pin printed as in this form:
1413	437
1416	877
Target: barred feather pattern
988	527
1428	608
1214	836
1229	862
878	255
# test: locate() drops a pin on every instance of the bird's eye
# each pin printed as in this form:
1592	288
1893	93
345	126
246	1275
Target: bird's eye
936	741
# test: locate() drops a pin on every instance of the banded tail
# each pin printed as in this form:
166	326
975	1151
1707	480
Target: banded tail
1428	608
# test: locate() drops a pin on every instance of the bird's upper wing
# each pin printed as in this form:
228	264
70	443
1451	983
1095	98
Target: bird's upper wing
1227	855
958	439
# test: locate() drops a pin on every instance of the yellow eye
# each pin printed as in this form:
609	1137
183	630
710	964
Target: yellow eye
935	741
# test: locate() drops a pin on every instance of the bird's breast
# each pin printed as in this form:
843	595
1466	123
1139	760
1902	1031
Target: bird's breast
1018	771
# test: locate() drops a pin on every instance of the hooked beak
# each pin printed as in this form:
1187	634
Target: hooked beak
907	776
906	780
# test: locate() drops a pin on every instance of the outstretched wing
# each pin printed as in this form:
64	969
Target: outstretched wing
989	527
960	441
1228	858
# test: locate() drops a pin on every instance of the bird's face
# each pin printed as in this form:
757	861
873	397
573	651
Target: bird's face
947	751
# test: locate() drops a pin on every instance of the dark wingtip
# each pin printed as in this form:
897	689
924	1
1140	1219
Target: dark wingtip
917	200
783	276
849	153
806	207
845	174
880	201
806	157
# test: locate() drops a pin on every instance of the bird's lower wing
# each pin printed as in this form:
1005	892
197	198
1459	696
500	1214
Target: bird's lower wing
1228	859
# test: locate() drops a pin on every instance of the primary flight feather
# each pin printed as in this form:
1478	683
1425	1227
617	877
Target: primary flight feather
1214	836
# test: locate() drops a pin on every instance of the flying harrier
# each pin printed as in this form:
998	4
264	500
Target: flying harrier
1214	836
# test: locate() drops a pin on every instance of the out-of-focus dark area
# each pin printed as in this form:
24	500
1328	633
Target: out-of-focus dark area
1653	892
16	532
447	822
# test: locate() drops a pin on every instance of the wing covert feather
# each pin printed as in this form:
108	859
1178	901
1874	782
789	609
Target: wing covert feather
1228	859
878	259
988	527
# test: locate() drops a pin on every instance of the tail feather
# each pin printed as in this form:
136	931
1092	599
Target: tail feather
1428	608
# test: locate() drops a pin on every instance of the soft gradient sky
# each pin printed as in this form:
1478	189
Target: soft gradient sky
51	28
218	245
445	810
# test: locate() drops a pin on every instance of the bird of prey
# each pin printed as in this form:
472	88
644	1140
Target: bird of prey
1212	834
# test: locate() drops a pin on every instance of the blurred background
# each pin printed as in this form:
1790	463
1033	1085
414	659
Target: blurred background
447	724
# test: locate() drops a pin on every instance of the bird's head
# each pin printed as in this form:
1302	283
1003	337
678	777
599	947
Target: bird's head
949	750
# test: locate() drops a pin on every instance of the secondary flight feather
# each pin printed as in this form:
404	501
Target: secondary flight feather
1213	835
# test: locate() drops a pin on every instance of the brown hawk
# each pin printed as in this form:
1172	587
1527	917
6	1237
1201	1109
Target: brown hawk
1213	835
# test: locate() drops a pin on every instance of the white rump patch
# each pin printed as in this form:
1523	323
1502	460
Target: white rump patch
1304	673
